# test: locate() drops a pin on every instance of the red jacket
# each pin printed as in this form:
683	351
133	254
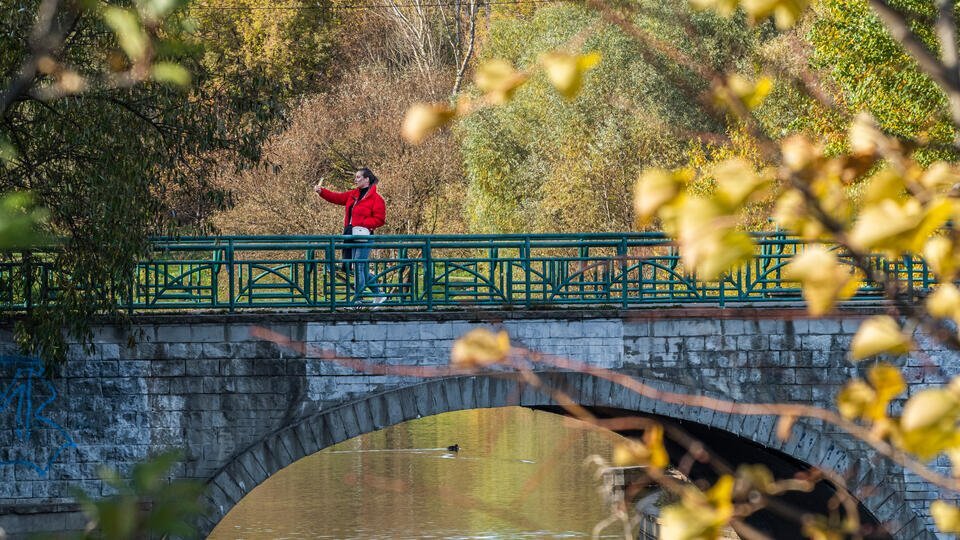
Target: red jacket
369	212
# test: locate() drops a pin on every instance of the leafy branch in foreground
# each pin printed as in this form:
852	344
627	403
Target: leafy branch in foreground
110	114
874	195
148	505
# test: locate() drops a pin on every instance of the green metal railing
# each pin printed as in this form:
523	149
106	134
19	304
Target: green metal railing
435	272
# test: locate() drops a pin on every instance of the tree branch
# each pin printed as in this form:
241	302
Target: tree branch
752	409
47	37
944	77
466	57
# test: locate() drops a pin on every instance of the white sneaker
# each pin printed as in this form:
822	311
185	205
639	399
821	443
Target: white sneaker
379	300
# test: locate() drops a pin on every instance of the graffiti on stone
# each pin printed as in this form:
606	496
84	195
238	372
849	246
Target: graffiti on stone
28	437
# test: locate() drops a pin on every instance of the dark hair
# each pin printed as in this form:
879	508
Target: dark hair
368	174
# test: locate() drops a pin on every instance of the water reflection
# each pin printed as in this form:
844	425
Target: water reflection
518	474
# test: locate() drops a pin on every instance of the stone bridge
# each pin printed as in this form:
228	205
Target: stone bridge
243	407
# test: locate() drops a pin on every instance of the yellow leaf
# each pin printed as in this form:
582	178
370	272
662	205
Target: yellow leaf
650	452
877	335
929	408
886	224
752	93
737	182
887	381
791	214
757	476
825	281
565	71
831	193
480	347
699	515
798	152
865	137
423	119
899	227
653	439
71	82
954	455
854	399
677	522
927	443
654	188
788	12
498	80
629	454
714	252
817	528
721	496
885	184
944	302
785	12
939	254
946	516
724	8
935	214
939	176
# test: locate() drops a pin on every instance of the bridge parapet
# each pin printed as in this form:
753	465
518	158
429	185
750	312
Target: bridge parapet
211	385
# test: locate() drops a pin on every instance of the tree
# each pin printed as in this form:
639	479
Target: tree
100	122
874	73
353	124
249	44
536	165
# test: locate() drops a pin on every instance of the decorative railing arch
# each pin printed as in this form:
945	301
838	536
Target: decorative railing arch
437	272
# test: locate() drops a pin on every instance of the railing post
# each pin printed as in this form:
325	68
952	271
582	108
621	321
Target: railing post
722	289
624	265
231	274
27	282
908	264
525	261
331	261
132	286
215	279
428	274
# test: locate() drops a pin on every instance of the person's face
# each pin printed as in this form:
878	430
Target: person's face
361	180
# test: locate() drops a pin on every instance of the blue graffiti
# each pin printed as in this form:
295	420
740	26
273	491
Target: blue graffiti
27	395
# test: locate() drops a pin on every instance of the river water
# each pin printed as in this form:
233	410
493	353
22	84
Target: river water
518	474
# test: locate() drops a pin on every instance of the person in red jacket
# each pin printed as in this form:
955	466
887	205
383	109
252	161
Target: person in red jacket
365	211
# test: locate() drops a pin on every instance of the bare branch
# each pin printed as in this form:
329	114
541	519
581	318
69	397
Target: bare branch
469	54
946	28
941	74
46	38
754	409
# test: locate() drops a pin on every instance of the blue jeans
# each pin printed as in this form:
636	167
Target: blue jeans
362	278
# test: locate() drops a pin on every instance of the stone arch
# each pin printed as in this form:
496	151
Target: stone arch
311	434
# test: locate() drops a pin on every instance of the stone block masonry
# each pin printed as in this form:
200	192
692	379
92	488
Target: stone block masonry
241	406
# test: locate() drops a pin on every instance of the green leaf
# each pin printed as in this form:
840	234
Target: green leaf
158	9
117	517
126	25
149	475
21	224
169	72
7	151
